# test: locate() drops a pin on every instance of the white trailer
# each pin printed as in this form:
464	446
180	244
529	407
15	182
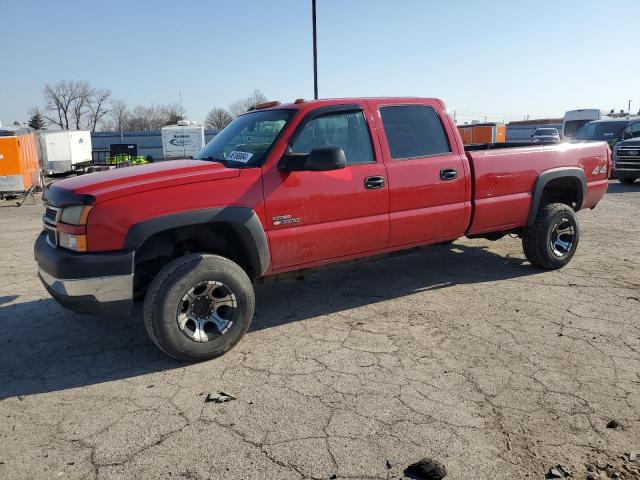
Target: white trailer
183	140
60	151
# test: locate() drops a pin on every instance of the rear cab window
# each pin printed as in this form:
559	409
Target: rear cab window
414	131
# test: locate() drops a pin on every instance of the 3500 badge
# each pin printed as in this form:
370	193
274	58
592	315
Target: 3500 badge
285	220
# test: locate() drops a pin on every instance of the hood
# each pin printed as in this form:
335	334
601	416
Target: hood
101	186
633	142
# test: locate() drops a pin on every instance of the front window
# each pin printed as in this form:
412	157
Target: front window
601	131
632	131
247	139
347	130
572	126
546	131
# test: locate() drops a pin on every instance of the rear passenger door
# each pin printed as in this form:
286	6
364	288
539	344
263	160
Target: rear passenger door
428	184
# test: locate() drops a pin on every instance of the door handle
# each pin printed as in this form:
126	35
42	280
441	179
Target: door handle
448	174
372	183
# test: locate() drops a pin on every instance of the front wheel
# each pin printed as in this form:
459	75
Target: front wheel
198	307
552	240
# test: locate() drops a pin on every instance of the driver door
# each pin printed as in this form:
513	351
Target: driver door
314	217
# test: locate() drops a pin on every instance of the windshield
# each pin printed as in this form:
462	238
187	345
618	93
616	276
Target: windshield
601	131
247	139
572	126
546	131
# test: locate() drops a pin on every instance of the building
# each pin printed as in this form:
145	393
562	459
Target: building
149	142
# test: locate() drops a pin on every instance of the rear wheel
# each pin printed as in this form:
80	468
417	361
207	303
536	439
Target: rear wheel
198	307
552	240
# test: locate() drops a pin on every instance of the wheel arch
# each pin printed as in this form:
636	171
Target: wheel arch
564	185
241	223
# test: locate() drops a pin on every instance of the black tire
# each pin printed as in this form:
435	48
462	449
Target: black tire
166	294
538	240
627	180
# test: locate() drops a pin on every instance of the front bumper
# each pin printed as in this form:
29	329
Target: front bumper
90	283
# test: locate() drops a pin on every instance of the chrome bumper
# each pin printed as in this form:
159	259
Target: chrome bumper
113	288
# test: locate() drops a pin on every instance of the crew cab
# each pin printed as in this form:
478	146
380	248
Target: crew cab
296	186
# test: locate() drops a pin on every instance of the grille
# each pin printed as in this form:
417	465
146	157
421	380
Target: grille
51	237
51	214
50	219
629	153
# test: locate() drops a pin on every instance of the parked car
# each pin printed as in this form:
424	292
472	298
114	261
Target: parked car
626	154
610	130
324	181
545	135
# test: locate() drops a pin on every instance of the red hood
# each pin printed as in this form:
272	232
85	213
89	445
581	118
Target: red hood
125	181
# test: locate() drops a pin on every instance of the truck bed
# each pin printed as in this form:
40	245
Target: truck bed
505	178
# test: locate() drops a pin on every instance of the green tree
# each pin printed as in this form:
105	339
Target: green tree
37	121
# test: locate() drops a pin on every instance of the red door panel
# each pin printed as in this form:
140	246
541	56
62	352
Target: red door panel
423	206
318	216
334	215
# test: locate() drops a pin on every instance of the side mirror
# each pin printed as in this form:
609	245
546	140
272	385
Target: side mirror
319	159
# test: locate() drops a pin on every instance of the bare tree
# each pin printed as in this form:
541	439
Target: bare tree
59	98
119	114
98	107
154	117
172	113
80	104
244	104
218	118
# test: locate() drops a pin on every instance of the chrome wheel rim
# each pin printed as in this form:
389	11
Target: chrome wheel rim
562	237
206	311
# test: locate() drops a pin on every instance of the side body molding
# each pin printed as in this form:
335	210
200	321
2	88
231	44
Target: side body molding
243	220
575	173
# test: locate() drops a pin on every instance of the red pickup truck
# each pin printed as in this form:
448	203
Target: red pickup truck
290	187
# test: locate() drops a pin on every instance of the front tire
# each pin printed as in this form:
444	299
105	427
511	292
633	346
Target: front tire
552	240
198	307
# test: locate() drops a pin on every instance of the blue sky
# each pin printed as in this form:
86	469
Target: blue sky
504	59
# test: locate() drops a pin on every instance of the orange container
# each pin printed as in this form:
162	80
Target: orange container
483	133
19	165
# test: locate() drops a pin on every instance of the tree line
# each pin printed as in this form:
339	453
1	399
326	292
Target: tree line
71	104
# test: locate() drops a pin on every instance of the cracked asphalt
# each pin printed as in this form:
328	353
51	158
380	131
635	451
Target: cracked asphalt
463	353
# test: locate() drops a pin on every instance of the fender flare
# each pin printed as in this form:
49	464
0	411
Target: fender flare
243	220
545	177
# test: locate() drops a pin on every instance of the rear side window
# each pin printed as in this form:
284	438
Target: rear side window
413	131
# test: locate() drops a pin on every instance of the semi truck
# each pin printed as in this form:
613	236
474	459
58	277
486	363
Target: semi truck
324	181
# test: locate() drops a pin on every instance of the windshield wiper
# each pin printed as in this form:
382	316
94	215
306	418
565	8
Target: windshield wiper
211	158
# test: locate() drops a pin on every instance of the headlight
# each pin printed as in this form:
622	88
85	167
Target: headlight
76	215
72	228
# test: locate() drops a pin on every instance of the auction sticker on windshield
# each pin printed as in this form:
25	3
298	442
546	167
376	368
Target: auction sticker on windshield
238	156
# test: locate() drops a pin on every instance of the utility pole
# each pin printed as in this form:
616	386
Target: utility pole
629	110
315	51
